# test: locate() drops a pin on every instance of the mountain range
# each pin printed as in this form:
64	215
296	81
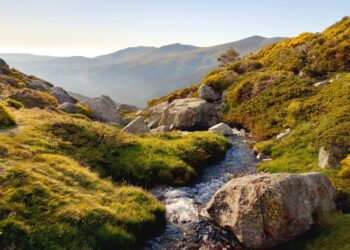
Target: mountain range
133	75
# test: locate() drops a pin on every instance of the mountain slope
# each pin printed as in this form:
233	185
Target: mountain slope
133	75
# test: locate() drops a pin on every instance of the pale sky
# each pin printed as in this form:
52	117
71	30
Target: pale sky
95	27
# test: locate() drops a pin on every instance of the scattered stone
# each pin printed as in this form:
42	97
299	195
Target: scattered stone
62	96
190	114
221	129
137	126
207	93
261	156
69	108
104	109
283	134
162	128
330	158
322	83
269	209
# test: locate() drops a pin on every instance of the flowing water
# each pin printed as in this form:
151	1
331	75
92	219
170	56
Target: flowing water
186	229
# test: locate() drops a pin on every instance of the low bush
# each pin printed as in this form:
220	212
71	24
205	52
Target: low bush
14	104
6	118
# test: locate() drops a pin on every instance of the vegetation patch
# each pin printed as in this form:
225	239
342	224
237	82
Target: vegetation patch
52	202
6	118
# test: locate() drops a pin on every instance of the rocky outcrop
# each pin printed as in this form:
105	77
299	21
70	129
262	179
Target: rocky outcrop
62	96
221	129
331	157
3	63
39	86
207	93
137	126
69	108
155	114
104	109
127	108
190	114
266	210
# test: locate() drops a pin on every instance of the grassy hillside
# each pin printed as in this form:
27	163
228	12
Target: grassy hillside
65	180
302	83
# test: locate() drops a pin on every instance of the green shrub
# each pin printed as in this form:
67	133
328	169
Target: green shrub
15	104
6	118
345	168
31	99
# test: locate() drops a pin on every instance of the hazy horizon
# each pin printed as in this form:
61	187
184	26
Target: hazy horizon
90	28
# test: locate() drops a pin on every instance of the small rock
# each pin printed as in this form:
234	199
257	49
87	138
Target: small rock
104	109
162	128
330	158
221	129
62	96
281	135
322	83
207	93
69	108
137	126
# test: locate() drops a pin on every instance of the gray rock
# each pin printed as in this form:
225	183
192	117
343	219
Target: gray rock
190	114
207	93
221	129
266	210
283	134
331	157
62	96
104	109
126	107
3	63
155	114
69	108
39	86
323	83
162	128
137	126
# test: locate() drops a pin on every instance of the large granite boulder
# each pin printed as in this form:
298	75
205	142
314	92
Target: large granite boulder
266	210
207	93
155	114
62	96
221	129
104	109
190	114
137	126
69	108
331	157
